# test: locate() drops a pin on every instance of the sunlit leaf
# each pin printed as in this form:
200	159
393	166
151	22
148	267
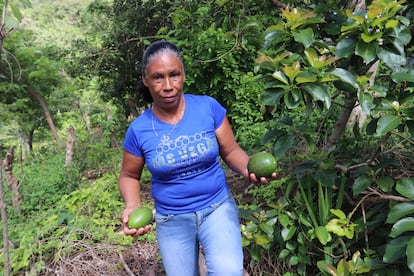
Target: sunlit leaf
400	210
323	235
305	36
405	186
387	123
287	233
402	226
318	92
280	77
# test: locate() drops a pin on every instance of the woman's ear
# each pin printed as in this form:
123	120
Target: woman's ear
144	81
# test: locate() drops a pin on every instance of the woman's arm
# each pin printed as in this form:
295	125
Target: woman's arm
234	156
129	187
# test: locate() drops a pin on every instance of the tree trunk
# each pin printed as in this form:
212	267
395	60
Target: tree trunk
70	145
341	122
12	181
5	227
46	112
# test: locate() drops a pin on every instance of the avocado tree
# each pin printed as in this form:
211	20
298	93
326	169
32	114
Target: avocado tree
321	64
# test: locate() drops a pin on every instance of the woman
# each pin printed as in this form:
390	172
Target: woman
181	139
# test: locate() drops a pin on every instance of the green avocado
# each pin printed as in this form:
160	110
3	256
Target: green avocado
139	217
262	164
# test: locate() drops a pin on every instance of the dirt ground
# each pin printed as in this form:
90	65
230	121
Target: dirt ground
141	258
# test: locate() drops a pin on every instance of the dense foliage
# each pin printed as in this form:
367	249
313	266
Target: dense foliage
326	86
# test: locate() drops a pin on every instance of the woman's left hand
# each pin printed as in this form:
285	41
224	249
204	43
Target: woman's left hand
263	180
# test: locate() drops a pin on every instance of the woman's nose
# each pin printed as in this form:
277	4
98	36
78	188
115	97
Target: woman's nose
167	84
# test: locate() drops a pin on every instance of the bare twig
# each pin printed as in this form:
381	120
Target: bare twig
124	264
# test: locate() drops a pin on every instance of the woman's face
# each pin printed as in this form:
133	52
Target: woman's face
165	79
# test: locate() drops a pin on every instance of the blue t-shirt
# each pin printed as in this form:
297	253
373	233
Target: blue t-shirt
183	159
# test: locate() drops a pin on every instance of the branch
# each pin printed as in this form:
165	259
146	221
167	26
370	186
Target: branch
279	4
126	267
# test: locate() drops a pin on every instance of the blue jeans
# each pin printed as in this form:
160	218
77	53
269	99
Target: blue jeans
216	229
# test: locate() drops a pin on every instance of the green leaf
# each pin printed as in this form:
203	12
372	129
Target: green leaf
391	59
267	228
345	47
261	239
402	226
270	36
366	50
405	186
16	11
339	213
287	233
272	96
347	81
386	183
318	92
366	100
395	249
282	145
325	177
326	267
361	184
410	254
408	112
323	235
280	76
305	36
400	210
305	77
403	76
387	123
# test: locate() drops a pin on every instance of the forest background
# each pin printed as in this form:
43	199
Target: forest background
326	86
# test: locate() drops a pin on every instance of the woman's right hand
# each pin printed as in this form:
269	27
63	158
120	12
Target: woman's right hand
133	232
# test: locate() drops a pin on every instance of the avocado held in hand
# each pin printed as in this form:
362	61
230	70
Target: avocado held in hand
139	217
262	164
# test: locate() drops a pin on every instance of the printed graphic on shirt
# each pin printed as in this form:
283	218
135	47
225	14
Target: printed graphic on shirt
185	154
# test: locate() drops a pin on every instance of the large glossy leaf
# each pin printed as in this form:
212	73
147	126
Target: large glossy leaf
345	47
400	210
387	123
391	59
403	76
366	50
405	186
395	249
347	81
271	35
280	77
402	226
272	96
305	36
410	254
319	93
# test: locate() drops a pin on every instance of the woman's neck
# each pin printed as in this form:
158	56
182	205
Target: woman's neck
171	115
